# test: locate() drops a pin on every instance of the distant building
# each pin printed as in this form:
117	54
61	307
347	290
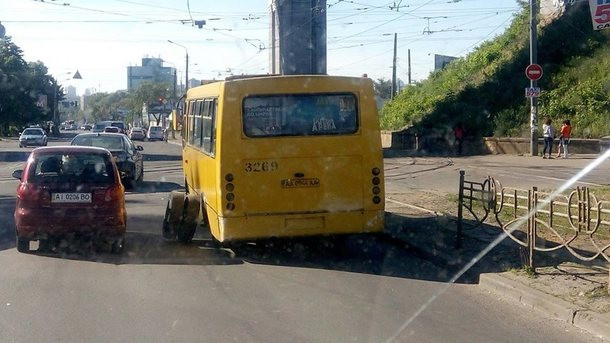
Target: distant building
151	70
71	92
441	61
196	82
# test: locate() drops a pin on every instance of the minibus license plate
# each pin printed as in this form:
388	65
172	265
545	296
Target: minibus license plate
71	197
296	183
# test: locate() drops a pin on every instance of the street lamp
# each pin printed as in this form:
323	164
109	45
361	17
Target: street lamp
186	71
76	76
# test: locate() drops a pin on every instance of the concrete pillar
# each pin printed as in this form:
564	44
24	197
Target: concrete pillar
298	37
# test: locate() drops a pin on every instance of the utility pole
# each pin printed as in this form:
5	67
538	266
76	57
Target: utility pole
409	62
394	67
186	72
533	60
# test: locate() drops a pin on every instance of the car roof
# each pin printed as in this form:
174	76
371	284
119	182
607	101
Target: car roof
101	134
69	149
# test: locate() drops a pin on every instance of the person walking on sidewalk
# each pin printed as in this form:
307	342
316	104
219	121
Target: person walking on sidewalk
564	138
548	134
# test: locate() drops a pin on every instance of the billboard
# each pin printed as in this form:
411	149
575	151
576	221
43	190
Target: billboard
441	61
600	14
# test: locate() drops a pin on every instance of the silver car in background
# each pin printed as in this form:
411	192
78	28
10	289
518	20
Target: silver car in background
33	136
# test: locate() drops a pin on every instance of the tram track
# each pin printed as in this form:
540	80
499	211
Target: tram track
399	174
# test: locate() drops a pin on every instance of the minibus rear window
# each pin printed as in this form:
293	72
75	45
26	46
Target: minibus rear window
300	115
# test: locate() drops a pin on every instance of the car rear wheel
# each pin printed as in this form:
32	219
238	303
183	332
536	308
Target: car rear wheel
23	245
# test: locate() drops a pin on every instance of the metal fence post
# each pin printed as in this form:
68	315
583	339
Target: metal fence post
458	238
530	249
532	227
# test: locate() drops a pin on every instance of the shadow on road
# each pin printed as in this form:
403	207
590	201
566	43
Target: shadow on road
162	157
155	187
7	222
14	156
141	248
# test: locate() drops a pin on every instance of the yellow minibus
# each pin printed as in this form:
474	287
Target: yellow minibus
280	156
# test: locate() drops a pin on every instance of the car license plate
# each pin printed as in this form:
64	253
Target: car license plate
71	197
297	183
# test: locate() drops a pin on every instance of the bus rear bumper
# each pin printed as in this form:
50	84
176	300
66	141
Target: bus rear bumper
299	225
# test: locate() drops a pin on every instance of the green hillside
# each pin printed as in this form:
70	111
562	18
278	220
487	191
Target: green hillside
485	90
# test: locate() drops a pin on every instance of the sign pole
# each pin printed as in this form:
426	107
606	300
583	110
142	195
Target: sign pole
533	83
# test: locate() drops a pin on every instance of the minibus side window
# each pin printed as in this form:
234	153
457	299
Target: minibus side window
185	120
191	133
197	123
209	117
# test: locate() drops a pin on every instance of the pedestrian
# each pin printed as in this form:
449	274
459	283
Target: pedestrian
549	134
564	138
458	133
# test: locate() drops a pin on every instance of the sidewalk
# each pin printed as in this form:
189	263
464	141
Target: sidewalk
562	287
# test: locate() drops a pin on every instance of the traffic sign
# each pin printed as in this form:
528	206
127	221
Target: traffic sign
533	72
532	92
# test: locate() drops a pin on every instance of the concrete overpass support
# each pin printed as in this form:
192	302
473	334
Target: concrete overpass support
298	37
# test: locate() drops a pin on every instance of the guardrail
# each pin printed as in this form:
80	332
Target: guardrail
576	221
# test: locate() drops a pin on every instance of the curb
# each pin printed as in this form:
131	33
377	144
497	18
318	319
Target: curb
595	323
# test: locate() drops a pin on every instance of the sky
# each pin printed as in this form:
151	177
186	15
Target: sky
100	38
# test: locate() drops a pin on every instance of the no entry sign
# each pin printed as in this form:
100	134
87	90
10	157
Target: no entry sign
533	72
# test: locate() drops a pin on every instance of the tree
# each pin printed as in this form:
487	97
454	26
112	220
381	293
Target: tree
106	106
21	85
148	93
383	88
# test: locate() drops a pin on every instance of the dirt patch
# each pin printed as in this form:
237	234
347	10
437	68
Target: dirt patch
584	286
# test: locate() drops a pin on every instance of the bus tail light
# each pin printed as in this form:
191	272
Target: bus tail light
230	187
376	181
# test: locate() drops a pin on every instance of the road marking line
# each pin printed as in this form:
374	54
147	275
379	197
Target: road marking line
412	206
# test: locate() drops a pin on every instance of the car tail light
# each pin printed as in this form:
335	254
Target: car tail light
114	193
31	194
28	192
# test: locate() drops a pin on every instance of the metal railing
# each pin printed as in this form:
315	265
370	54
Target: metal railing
566	218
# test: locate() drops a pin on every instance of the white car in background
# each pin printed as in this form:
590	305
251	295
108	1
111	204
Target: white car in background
155	132
32	136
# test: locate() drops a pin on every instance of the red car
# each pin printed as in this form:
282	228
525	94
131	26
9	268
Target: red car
70	191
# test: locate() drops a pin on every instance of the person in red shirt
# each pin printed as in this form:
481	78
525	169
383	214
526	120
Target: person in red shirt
564	138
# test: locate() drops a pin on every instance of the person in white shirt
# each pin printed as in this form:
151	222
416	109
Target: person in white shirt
549	134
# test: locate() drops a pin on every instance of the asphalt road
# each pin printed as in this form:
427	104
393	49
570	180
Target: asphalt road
295	291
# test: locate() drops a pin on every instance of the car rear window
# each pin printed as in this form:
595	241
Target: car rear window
72	167
155	128
300	115
107	142
118	124
32	132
